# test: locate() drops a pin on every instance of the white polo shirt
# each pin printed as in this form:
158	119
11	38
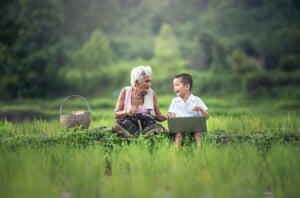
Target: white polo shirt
182	109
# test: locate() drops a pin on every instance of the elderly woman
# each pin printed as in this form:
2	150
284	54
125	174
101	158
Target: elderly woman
137	108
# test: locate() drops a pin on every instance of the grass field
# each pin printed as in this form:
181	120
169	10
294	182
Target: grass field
39	158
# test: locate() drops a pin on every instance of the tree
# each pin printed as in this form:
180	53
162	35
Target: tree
214	52
270	27
166	51
8	33
166	46
38	52
94	53
242	64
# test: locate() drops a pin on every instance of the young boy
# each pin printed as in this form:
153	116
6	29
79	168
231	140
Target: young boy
186	104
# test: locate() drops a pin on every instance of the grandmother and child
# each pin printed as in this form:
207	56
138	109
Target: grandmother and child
137	110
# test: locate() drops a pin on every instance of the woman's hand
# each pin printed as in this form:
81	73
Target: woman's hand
171	115
131	112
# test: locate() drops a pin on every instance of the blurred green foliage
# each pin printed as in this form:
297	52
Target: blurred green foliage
54	48
166	47
94	53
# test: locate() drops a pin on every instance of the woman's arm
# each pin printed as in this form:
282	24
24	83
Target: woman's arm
158	115
119	109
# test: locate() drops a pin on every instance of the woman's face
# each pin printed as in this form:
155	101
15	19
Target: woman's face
145	85
179	88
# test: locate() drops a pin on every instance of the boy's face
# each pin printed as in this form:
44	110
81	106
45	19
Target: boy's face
180	89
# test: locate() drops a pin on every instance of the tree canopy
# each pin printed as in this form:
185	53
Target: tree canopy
38	39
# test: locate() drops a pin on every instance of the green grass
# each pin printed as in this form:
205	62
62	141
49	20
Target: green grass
104	107
235	170
40	158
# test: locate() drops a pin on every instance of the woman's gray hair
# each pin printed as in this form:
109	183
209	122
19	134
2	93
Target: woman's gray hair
139	73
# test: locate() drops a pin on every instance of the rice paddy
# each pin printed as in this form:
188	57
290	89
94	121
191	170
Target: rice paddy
246	153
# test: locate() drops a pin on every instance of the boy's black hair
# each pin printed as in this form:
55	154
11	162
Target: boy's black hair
185	79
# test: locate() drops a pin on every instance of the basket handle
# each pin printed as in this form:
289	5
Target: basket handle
88	106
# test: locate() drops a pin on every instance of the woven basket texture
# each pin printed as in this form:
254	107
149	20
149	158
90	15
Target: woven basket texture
73	120
82	119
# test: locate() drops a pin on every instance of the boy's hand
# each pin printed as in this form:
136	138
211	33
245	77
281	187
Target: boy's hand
197	108
202	111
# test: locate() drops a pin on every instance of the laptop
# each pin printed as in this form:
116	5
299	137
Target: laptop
187	124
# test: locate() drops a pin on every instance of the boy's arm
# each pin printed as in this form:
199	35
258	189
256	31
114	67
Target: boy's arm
202	111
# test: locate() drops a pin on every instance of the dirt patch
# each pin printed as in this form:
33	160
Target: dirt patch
15	116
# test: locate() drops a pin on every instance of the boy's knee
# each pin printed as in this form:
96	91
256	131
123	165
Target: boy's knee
197	134
178	135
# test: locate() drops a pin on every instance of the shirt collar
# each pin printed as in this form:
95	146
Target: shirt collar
191	98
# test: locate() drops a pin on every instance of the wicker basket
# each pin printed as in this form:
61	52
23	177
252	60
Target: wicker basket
82	118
